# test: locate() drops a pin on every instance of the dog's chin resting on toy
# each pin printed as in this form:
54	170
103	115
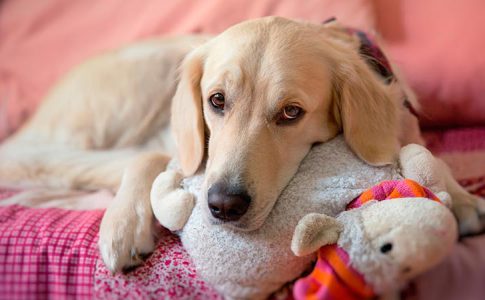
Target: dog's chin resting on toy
253	265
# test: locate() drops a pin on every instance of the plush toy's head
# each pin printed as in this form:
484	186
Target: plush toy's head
387	242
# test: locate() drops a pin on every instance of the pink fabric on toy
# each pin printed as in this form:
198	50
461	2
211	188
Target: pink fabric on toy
333	278
391	189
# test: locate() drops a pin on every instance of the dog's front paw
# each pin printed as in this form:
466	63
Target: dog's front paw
125	237
171	204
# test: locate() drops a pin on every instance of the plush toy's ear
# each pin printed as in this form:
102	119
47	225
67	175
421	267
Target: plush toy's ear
314	231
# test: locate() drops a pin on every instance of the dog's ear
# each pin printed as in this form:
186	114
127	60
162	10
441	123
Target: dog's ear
365	110
187	117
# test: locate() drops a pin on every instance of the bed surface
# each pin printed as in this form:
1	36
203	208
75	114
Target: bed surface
52	253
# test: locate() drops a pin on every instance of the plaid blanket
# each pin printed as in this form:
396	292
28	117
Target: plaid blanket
52	254
47	253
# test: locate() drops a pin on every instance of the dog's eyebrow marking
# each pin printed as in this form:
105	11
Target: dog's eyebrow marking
283	97
226	81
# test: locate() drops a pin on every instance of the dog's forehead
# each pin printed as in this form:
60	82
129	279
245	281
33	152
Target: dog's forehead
265	66
253	42
228	50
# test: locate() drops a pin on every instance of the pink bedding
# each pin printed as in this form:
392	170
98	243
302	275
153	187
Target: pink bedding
52	253
47	253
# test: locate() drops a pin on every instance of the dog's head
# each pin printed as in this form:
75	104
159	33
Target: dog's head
254	100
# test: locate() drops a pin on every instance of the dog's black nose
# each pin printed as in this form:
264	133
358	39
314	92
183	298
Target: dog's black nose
227	204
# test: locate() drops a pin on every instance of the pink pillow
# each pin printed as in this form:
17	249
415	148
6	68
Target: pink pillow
439	44
40	41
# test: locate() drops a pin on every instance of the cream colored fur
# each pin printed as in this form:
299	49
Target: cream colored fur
115	107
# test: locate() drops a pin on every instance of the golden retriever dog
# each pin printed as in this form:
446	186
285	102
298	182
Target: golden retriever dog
247	107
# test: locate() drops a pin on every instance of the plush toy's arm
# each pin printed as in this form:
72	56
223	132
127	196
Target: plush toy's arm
418	164
171	204
314	231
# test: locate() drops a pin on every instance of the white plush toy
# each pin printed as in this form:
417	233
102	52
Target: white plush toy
381	243
252	265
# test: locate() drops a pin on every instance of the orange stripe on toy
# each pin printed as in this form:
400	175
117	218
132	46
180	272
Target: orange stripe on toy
326	286
324	283
395	194
366	196
341	267
415	188
332	287
421	191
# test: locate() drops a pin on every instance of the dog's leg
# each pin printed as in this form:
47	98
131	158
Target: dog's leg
61	167
65	199
468	209
126	231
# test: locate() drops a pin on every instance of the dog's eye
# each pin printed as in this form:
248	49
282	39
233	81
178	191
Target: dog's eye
217	100
289	113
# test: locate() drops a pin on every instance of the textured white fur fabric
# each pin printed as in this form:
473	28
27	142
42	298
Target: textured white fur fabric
252	265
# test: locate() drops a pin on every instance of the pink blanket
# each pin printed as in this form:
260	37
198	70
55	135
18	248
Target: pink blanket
52	253
47	253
